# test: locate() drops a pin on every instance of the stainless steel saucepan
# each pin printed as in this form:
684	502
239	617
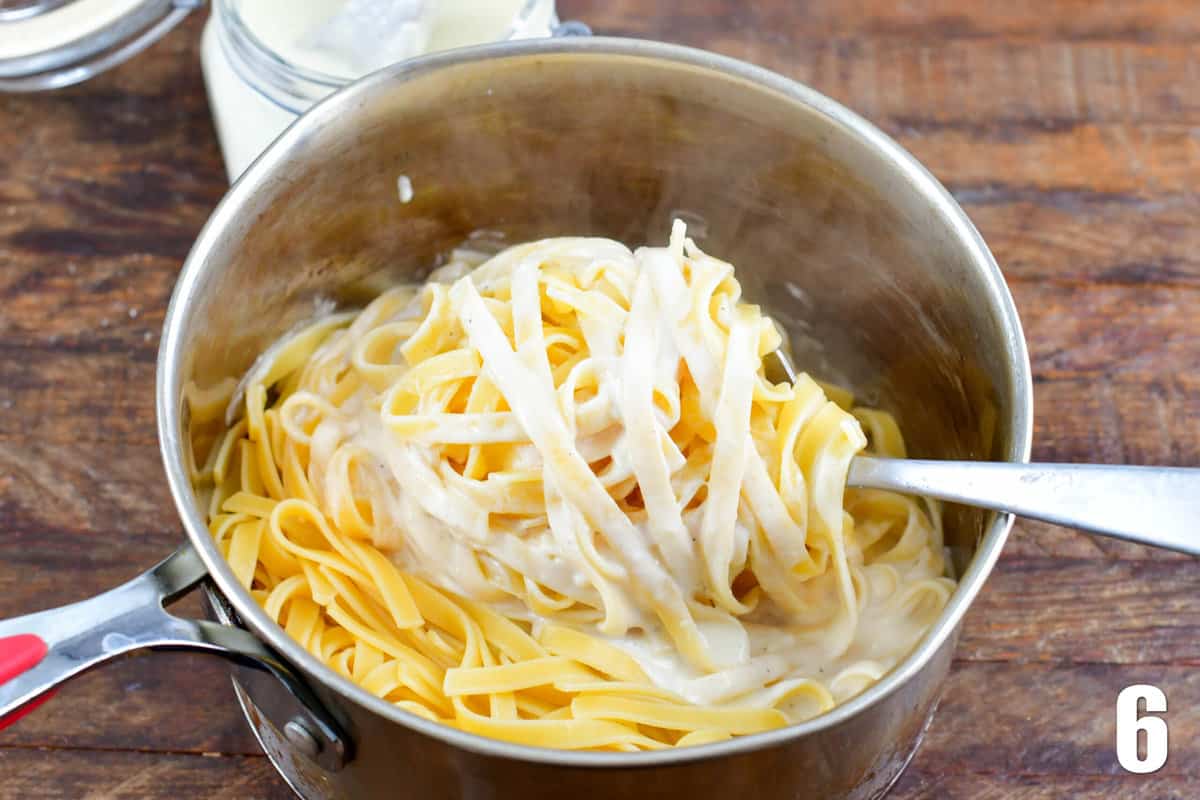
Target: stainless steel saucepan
879	277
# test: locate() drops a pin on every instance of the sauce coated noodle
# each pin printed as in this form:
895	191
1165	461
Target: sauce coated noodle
550	497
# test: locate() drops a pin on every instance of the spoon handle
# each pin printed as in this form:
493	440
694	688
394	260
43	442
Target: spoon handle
1159	506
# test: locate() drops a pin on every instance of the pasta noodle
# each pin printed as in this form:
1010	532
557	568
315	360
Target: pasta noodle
550	497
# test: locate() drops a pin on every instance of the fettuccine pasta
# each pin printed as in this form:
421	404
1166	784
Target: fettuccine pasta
550	497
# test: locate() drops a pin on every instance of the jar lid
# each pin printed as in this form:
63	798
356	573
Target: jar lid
46	44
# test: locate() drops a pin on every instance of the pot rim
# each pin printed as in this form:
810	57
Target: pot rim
168	390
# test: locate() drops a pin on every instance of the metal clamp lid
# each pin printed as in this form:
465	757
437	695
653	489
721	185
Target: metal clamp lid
48	44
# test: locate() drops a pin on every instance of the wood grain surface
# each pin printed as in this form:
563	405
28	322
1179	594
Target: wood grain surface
1068	129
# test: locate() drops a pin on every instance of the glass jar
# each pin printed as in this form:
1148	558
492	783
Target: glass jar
47	44
260	79
259	75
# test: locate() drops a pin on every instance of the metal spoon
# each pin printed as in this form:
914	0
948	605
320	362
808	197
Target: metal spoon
1159	506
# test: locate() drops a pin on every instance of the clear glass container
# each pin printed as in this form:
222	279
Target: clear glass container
47	44
260	78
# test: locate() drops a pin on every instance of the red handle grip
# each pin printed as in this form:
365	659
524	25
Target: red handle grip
18	654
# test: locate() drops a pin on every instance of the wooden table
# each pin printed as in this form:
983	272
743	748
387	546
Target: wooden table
1070	131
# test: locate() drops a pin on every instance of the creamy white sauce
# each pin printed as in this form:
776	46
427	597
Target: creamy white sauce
852	626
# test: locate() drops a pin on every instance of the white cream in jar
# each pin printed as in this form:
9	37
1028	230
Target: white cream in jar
267	61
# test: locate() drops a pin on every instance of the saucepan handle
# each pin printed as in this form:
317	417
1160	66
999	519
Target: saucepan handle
40	651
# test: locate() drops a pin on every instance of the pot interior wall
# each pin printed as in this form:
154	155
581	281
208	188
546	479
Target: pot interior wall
875	288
